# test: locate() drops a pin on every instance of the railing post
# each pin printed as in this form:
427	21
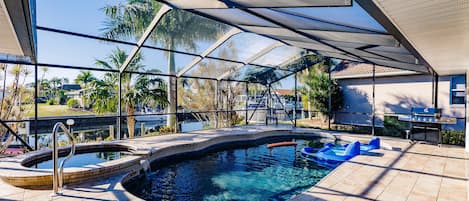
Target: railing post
374	105
55	156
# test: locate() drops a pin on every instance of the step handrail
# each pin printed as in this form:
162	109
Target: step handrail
57	175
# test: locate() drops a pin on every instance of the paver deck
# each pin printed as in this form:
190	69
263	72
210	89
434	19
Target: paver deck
409	172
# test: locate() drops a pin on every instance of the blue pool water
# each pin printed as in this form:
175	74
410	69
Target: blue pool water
80	160
252	173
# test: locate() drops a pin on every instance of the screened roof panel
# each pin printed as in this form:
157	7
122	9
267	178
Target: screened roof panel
397	50
242	46
292	3
347	33
246	72
275	32
370	39
258	74
187	32
236	16
312	45
157	61
345	44
85	17
361	53
339	56
302	62
78	51
405	66
408	58
301	21
211	68
279	56
352	15
191	4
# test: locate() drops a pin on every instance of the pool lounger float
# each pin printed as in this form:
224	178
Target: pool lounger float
331	154
375	143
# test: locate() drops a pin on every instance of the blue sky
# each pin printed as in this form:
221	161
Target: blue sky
86	16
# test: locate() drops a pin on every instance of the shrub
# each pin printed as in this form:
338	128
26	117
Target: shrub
166	129
61	97
72	103
394	127
236	119
51	102
453	137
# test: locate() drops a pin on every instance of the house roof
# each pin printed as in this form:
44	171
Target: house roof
70	87
350	70
285	92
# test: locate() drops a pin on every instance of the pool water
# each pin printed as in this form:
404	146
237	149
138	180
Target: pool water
253	173
83	159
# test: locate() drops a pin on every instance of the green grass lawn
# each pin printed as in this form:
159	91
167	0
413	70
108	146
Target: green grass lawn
45	110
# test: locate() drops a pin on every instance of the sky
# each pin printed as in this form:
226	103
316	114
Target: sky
87	17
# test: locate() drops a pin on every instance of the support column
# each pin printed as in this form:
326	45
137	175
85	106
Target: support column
435	98
35	107
329	99
467	113
268	113
296	99
247	102
217	100
119	109
178	128
374	102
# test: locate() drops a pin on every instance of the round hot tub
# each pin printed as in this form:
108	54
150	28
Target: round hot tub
91	161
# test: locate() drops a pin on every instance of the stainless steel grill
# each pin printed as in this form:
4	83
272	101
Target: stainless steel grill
426	124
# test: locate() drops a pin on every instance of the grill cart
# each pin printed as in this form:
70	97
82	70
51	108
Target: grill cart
425	124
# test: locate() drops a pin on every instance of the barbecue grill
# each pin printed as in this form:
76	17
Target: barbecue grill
425	124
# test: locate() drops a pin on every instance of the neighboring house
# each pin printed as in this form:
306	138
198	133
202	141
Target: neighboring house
396	92
77	95
70	87
287	99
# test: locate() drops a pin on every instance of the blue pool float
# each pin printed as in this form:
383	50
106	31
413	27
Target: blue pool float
375	143
332	154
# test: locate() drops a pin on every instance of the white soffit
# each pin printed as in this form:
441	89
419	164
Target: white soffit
9	43
437	29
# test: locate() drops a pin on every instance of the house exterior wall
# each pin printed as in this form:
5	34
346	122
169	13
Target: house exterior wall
395	95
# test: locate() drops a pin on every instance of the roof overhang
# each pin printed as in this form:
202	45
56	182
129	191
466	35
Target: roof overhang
17	35
437	30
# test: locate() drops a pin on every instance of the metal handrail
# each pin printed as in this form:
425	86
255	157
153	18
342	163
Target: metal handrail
57	176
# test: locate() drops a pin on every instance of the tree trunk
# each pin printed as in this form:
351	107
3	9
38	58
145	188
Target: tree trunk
171	121
130	119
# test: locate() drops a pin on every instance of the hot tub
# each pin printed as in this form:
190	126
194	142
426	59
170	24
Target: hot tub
33	170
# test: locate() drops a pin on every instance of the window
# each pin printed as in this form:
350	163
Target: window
458	90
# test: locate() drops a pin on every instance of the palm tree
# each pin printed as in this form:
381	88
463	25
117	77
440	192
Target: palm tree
56	82
316	87
84	78
136	89
177	29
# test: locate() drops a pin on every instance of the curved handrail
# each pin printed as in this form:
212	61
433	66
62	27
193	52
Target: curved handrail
58	178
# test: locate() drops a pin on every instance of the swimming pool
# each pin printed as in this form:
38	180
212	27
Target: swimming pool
248	173
81	159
